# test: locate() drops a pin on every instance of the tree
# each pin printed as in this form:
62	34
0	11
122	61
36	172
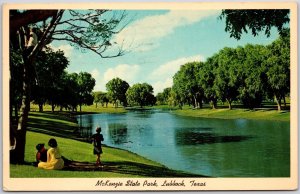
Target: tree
278	68
101	97
50	67
141	94
206	78
174	99
70	89
256	20
185	84
85	29
253	86
86	84
117	90
162	98
228	75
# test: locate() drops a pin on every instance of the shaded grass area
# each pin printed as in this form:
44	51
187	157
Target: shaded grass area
263	114
56	124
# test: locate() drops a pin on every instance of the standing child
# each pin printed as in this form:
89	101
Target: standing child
96	140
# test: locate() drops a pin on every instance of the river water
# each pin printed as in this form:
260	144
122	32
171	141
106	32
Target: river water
212	147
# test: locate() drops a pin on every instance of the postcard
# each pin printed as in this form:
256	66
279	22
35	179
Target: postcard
150	96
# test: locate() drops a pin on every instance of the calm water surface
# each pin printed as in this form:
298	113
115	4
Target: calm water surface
212	147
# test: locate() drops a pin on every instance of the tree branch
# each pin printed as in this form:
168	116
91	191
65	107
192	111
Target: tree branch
41	42
29	17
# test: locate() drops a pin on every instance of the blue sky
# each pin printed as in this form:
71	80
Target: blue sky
159	41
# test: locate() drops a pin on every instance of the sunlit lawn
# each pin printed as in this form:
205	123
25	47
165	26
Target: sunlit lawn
236	113
90	109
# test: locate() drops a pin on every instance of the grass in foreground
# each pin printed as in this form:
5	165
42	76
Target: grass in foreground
235	114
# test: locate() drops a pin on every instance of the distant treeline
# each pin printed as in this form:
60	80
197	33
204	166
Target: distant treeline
249	74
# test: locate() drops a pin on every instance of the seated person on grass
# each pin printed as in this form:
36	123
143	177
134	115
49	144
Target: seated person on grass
54	158
41	154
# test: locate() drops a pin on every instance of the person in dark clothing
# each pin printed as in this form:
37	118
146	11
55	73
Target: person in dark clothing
96	140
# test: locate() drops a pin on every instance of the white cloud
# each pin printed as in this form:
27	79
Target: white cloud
125	72
143	34
169	69
95	73
162	77
99	80
68	49
159	86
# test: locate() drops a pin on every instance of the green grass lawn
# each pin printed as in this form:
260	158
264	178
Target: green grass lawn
85	109
224	113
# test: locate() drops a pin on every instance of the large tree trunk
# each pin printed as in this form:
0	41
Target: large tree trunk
16	22
20	133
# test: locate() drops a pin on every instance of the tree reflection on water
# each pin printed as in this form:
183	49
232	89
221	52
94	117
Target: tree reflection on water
203	136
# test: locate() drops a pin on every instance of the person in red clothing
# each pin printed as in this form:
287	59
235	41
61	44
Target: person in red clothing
96	140
41	154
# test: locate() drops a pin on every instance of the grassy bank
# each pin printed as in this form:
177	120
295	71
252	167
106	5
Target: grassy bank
117	162
85	109
269	112
266	114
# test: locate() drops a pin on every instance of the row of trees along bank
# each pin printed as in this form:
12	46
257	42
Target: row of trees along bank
119	91
248	74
